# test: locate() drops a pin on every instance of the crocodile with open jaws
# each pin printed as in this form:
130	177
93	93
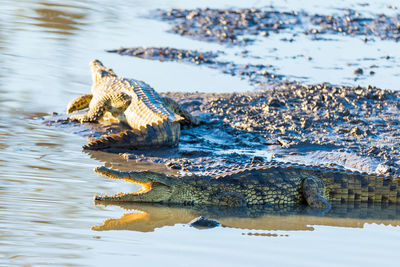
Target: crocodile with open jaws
258	184
154	120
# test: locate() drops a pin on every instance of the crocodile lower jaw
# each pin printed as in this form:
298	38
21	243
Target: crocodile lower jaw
145	187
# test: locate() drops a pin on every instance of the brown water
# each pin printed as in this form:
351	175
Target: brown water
47	214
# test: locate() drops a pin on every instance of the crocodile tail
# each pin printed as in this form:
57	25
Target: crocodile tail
357	187
105	141
382	189
155	135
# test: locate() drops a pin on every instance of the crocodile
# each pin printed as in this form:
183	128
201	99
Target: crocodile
258	184
153	120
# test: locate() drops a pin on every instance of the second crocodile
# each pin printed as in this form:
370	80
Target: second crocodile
259	184
153	120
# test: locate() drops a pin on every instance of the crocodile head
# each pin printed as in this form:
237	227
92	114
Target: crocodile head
155	187
99	72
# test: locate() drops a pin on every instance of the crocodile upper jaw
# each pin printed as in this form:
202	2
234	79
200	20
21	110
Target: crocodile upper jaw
150	191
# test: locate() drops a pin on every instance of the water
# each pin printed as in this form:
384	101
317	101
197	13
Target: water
47	183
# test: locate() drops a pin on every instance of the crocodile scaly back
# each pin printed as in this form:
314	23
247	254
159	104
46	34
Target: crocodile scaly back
151	118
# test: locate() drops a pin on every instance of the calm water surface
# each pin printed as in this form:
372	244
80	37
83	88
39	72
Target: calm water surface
47	214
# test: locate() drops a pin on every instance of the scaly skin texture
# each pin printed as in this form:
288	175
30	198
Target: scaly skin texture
258	184
154	120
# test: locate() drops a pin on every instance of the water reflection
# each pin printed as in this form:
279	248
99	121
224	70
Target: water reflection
148	217
2	38
58	18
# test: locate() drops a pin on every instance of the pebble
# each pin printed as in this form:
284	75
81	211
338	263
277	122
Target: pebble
358	71
202	222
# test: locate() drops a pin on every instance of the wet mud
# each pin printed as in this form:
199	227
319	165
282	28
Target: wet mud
354	122
255	74
240	25
353	23
227	26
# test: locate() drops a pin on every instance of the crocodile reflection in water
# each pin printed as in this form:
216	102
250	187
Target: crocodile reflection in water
149	217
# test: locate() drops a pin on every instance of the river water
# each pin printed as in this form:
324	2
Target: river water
47	213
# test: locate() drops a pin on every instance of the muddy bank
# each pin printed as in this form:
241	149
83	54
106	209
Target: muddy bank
238	26
336	126
307	118
227	26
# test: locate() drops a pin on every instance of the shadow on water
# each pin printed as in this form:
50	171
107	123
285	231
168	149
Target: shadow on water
148	217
